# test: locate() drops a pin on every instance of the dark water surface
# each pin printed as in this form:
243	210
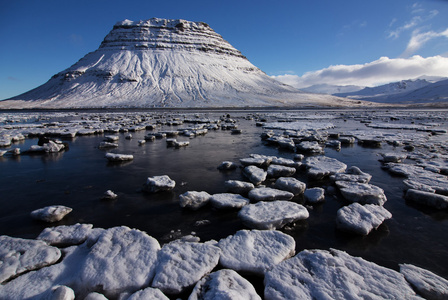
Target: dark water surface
78	178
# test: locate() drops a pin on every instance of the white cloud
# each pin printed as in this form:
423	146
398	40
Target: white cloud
381	71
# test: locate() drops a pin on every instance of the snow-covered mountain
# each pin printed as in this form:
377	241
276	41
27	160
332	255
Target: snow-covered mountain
166	63
403	92
332	89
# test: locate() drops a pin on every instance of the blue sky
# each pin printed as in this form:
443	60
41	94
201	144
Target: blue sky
299	42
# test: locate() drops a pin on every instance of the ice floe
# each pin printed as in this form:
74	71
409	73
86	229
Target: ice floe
238	187
419	177
269	194
228	200
148	293
427	198
426	283
255	174
117	157
310	147
272	215
66	234
353	174
181	264
159	184
361	219
51	214
109	195
291	185
193	199
334	274
227	165
314	195
363	193
393	157
319	167
255	251
21	255
224	284
276	171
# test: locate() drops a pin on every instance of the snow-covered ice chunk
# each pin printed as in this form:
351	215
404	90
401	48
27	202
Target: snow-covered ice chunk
255	174
309	147
269	194
179	144
427	198
181	265
238	187
363	193
272	215
361	219
51	214
427	284
148	293
334	144
113	157
227	165
291	185
228	200
314	195
111	138
105	145
280	171
141	142
60	292
122	260
66	234
418	176
224	284
393	157
255	251
109	195
20	255
286	162
95	296
194	200
322	274
347	140
353	174
254	161
319	167
159	184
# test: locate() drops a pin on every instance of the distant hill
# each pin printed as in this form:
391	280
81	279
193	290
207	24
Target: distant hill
331	89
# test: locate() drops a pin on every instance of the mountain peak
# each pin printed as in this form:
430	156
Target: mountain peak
165	63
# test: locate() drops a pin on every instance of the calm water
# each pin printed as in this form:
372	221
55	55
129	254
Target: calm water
78	178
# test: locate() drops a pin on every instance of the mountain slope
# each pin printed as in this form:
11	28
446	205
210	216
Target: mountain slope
384	93
165	63
433	93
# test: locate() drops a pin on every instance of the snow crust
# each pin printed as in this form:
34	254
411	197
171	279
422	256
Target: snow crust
321	274
193	199
291	185
361	219
269	194
428	284
314	195
224	284
319	167
255	174
181	265
228	200
20	255
255	251
272	215
239	187
66	235
51	214
363	193
159	184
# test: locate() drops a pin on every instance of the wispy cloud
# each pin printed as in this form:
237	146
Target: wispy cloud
418	39
383	70
420	16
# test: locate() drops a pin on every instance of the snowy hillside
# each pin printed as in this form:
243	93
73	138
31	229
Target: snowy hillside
165	63
332	89
433	93
425	90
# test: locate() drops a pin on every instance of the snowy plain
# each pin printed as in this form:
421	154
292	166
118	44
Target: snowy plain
79	176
